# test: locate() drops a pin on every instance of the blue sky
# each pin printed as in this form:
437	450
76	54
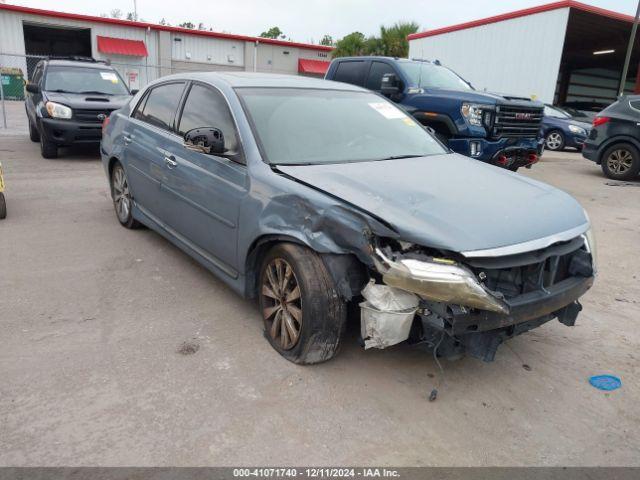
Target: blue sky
307	20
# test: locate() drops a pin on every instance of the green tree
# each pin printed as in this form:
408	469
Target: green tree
327	40
394	38
350	45
188	25
273	32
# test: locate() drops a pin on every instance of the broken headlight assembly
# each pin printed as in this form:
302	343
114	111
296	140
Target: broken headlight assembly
438	280
590	244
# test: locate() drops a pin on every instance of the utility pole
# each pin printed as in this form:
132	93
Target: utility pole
135	10
625	69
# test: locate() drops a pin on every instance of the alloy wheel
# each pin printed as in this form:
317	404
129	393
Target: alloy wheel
282	303
554	141
121	196
620	161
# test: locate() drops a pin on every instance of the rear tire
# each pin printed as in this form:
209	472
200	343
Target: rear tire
3	206
303	314
122	200
621	162
34	135
48	149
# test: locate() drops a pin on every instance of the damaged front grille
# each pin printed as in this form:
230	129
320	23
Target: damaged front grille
534	271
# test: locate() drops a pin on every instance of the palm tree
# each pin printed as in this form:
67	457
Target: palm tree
394	38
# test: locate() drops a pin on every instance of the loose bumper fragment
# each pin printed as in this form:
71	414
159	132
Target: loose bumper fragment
386	315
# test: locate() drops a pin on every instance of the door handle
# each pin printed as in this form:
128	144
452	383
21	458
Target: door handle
127	138
170	161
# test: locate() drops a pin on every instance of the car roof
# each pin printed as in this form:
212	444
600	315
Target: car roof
380	57
78	63
268	80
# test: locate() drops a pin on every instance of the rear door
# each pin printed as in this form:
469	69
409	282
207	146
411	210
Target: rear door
203	192
351	71
149	132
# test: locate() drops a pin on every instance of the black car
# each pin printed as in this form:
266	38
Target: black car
67	100
614	141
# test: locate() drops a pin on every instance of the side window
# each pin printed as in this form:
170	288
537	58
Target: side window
351	72
160	105
378	69
635	104
206	107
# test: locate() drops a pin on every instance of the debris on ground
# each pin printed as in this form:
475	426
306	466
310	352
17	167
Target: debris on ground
605	382
188	348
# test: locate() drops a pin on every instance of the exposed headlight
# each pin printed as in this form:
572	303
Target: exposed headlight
56	110
578	130
473	113
592	248
439	280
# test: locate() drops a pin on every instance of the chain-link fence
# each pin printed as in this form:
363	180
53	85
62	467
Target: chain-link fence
17	70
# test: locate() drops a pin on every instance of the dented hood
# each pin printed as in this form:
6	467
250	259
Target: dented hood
448	201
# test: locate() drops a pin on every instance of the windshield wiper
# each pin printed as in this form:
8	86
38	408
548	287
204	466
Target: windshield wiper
399	157
95	92
60	90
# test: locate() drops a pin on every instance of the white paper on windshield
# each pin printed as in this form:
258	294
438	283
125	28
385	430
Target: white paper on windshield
110	76
387	110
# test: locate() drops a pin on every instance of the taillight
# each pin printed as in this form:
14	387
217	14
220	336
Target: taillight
105	124
600	121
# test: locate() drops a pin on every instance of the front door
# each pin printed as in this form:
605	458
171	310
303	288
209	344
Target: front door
202	192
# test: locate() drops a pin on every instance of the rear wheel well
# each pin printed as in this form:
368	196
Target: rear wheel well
112	162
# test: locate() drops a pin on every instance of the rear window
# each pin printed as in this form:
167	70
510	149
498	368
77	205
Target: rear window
351	72
84	80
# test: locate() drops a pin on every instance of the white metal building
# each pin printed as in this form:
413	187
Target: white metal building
565	52
143	51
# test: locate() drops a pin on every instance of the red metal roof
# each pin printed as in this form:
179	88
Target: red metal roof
523	13
317	67
153	26
120	46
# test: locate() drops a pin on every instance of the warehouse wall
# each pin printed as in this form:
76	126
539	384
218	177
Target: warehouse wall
207	50
520	56
169	52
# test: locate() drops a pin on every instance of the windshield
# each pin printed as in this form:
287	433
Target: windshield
555	112
309	126
84	80
428	75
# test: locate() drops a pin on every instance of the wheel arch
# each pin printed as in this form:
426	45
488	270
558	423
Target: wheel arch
256	251
610	142
349	274
441	123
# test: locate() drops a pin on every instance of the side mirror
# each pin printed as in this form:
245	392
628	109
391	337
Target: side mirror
134	91
33	88
205	140
390	85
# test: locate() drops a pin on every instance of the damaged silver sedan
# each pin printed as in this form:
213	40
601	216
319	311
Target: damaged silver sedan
312	195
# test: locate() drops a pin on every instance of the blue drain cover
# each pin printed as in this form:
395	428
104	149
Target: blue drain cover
605	382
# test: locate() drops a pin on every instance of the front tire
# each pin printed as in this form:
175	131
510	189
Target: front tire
121	195
48	149
555	141
34	135
621	162
304	317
